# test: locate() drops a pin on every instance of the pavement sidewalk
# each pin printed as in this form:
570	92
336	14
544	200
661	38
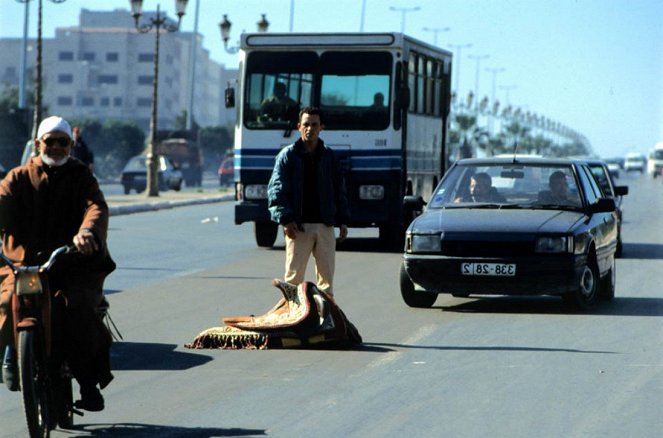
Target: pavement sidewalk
137	203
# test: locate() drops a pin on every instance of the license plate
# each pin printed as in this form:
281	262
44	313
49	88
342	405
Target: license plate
494	269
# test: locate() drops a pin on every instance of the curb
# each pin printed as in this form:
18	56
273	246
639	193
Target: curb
118	210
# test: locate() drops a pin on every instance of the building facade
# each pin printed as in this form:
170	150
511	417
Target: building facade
104	69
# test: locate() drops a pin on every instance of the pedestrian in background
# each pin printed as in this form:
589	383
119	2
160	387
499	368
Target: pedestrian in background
81	150
307	196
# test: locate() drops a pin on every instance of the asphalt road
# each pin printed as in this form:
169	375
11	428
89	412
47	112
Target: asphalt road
475	367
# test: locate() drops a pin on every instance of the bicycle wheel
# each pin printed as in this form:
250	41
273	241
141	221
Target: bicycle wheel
33	385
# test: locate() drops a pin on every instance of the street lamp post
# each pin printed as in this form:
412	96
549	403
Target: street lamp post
435	32
225	25
403	11
158	22
457	58
508	89
478	59
36	120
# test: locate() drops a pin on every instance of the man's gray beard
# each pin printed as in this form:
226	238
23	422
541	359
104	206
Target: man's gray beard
53	163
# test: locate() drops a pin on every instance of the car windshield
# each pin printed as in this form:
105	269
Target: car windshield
507	185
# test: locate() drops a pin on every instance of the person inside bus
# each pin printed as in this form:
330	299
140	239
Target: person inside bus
377	112
481	190
378	103
279	106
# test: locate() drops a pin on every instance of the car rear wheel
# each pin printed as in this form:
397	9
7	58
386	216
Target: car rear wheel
412	297
586	296
608	283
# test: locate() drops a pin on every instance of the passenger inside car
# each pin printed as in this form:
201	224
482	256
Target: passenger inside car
559	193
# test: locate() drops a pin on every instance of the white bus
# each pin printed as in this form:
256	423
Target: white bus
387	153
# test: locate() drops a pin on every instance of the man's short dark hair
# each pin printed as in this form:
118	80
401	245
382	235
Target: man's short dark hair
311	111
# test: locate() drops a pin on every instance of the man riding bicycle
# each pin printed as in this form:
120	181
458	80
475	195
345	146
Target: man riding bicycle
51	201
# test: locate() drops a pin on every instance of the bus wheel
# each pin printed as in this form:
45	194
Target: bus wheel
265	233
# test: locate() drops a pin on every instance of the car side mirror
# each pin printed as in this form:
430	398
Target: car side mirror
603	205
414	203
621	190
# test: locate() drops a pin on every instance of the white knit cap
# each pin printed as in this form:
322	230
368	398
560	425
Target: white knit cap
52	124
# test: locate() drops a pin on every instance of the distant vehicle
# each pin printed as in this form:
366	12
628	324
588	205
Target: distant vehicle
655	162
227	171
523	240
385	152
614	166
635	161
603	176
134	175
185	156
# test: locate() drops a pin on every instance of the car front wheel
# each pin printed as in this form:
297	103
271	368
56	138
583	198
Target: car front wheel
412	297
586	296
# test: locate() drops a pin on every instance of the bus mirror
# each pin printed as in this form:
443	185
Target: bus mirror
230	97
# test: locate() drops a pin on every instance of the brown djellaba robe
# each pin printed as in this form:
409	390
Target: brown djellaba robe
42	208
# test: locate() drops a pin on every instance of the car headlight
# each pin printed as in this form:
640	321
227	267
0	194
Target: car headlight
255	191
371	192
426	243
554	244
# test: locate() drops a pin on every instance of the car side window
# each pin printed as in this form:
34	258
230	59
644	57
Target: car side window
591	188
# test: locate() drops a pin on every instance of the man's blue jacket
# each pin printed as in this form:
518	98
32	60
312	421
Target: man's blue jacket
285	190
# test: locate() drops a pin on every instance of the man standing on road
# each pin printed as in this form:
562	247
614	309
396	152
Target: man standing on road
306	195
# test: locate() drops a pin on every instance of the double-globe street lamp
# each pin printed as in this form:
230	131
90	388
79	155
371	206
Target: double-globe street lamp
225	25
158	22
36	120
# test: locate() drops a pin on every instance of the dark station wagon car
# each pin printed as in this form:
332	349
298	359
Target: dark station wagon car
604	177
134	175
537	227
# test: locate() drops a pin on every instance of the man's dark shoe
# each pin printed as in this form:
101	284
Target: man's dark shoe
9	370
91	399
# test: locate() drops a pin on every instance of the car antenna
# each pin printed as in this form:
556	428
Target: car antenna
515	150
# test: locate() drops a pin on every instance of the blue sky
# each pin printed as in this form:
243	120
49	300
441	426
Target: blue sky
594	65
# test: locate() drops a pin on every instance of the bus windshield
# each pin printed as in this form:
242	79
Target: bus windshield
351	88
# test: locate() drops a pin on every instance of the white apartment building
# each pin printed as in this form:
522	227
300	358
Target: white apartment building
103	68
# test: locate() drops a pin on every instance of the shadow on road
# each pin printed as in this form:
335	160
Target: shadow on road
137	430
489	348
620	306
646	251
144	356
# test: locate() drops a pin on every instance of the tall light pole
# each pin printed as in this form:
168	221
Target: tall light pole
225	25
457	58
36	118
403	11
158	22
435	32
494	103
478	59
508	89
494	72
193	54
